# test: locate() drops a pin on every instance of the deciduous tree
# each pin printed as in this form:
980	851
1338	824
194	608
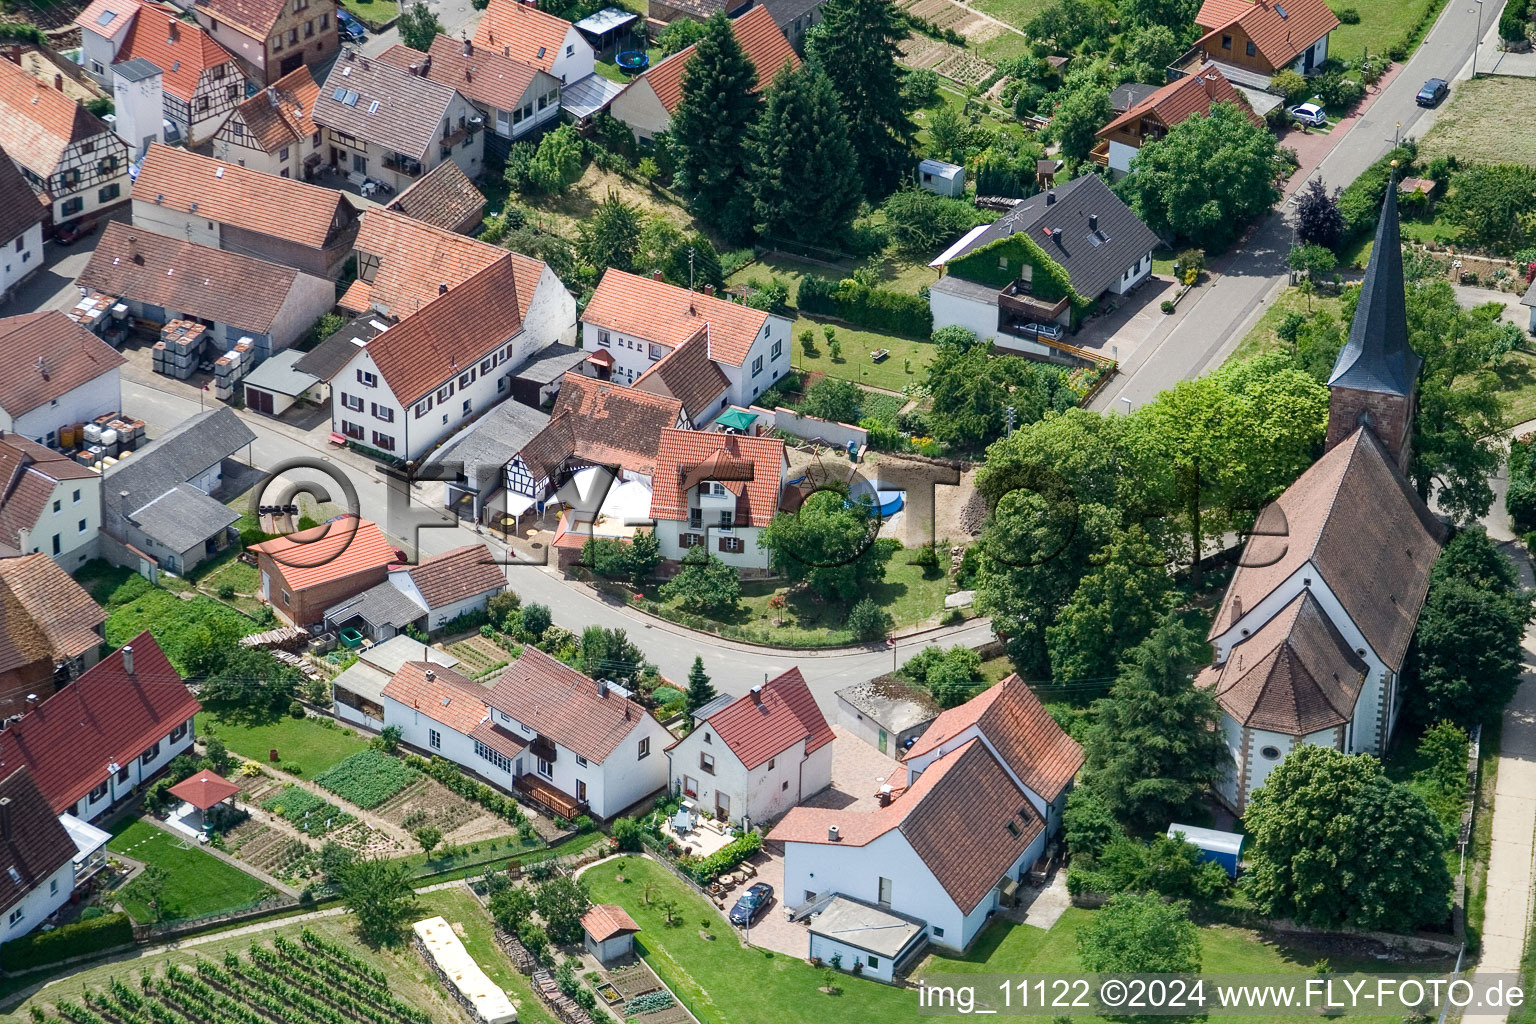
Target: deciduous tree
561	902
418	26
1078	118
1176	14
1113	608
556	164
828	544
833	398
380	897
610	237
1318	220
1137	933
704	583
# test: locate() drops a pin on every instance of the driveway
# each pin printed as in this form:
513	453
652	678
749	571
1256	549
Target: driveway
53	286
1130	321
858	771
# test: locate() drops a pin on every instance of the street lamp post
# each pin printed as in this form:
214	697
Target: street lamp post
1477	41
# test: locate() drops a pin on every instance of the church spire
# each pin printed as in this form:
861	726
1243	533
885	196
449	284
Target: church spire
1377	357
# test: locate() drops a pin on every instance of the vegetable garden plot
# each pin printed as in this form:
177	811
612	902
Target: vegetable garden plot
368	778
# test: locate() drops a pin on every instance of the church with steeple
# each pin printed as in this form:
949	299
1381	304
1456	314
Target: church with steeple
1311	636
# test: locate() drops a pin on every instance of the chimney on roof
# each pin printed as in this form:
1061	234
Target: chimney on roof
133	249
1237	605
831	833
426	66
128	658
1050	197
272	95
469	47
42	367
757	694
5	818
1093	222
709	289
655	275
58	82
442	287
173	30
602	687
884	796
506	51
431	675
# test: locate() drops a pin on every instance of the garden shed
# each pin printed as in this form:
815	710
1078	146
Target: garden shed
1224	848
938	176
609	932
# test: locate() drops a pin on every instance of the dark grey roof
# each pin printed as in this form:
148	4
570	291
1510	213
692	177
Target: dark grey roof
326	359
551	364
488	444
1377	356
714	704
182	517
965	289
383	104
785	12
382	604
167	463
1093	259
1529	298
1128	95
137	69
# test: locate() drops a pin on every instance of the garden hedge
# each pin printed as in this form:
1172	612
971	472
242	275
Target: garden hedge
1520	499
66	941
1360	202
876	308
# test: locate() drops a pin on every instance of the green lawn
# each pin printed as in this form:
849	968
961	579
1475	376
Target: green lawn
1515	381
1262	338
909	593
1485	121
197	883
952	97
373	13
1382	24
246	579
1015	12
299	741
711	975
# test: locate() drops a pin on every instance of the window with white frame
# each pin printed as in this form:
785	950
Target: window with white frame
777	350
383	412
546	769
352	402
757	366
434	739
367	379
496	758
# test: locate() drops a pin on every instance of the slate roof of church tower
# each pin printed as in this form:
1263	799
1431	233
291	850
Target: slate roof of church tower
1377	356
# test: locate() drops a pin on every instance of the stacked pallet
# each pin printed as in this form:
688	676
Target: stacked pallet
179	349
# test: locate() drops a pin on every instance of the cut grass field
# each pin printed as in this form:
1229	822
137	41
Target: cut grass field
1262	339
1015	12
713	976
197	884
303	742
1383	23
373	13
1486	120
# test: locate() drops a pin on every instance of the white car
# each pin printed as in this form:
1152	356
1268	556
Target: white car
1308	113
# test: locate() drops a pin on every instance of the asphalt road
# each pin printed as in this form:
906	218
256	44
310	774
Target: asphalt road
1207	332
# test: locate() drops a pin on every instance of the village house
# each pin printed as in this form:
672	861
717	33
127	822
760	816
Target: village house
270	38
1311	637
719	491
525	33
37	853
1150	118
21	228
428	595
795	18
53	631
688	374
1030	276
1251	40
442	198
240	210
99	740
69	156
570	743
392	123
358	692
514	96
647	104
596	456
472	464
304	573
632	322
162	278
436	709
50	503
749	759
985	789
55	373
274	131
200	81
158	509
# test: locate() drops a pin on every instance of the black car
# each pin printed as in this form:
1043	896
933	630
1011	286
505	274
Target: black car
751	904
1433	92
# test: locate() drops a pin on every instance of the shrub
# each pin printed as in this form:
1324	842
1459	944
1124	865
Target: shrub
1349	16
626	832
67	941
295	709
868	621
1293	85
877	308
1166	305
1360	202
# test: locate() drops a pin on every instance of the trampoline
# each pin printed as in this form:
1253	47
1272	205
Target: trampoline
632	62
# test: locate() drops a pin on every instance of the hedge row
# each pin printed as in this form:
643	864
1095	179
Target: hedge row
66	941
727	858
1520	499
877	308
1360	202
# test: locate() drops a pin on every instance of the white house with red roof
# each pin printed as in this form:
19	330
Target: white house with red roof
568	742
717	491
436	709
751	758
524	33
98	740
633	322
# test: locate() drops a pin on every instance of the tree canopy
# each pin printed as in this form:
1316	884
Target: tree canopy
804	181
418	26
1114	606
710	129
1078	118
1137	933
828	544
610	237
1318	220
856	47
380	896
703	583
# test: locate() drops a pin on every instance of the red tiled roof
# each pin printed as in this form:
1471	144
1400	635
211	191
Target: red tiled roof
761	725
1195	93
499	739
1355	518
458	574
331	551
605	920
605	423
106	716
449	334
33	841
523	33
230	194
258	16
761	40
686	374
63	612
288	121
28	475
358	298
447	697
415	258
107	17
1019	728
668	315
956	817
46	355
483	75
755	465
561	703
204	789
1281	38
444	198
37	123
182	51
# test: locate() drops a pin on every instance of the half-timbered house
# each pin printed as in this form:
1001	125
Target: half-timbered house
274	131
